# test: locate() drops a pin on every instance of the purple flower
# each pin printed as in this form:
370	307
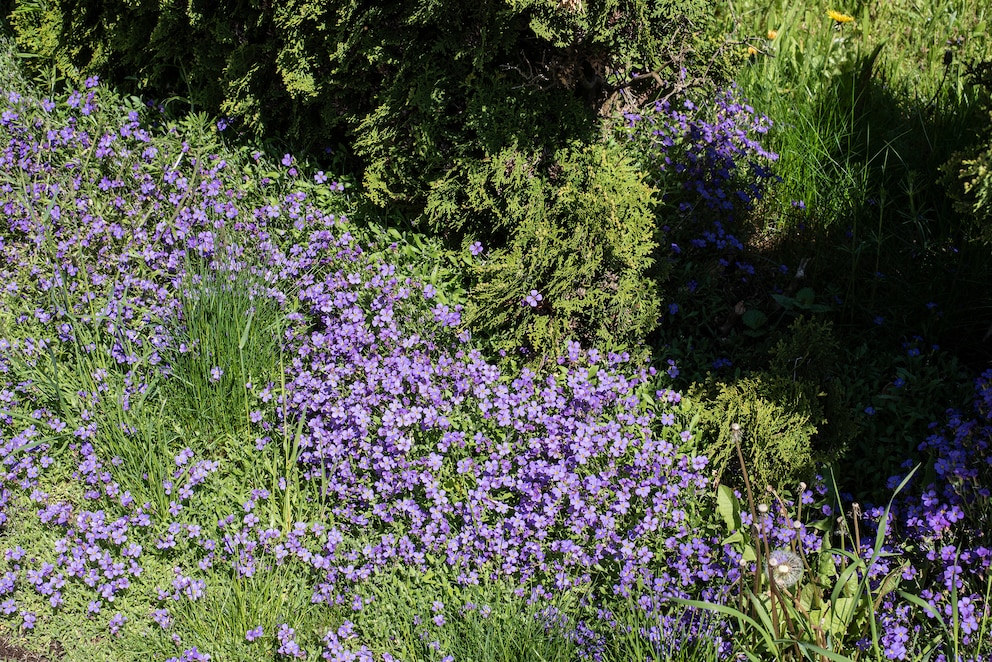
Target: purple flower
186	454
533	299
476	248
254	633
215	374
116	623
672	369
161	616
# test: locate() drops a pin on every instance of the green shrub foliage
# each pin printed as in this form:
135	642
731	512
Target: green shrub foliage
791	416
967	175
490	120
583	240
968	179
777	419
418	86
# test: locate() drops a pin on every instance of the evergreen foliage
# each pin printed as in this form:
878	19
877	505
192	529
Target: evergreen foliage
790	416
418	87
778	419
584	239
968	177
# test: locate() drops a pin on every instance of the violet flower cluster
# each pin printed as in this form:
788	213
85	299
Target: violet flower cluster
416	439
711	167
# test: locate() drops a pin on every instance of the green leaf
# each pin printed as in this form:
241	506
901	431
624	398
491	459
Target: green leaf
784	301
805	297
247	330
729	508
754	319
733	538
830	655
739	615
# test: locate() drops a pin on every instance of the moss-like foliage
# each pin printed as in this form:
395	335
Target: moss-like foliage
583	239
782	413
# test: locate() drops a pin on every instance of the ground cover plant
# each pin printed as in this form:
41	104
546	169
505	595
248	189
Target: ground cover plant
238	425
365	410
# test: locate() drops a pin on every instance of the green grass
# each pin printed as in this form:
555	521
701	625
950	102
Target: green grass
865	114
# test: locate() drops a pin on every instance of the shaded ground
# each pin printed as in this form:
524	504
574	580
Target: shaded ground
10	652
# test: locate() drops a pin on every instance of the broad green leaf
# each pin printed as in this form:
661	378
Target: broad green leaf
736	537
754	319
729	508
805	296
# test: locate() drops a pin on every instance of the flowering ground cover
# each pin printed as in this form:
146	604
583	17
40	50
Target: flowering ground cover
230	431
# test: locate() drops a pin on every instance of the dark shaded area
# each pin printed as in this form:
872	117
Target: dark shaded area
10	652
903	280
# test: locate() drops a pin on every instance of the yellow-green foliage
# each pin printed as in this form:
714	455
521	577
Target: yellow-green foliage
967	176
783	412
778	418
582	236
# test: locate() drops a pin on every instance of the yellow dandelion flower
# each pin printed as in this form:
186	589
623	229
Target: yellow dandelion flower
840	18
751	51
772	34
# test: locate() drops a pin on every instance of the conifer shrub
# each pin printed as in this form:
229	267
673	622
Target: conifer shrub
579	262
773	418
967	177
417	88
790	416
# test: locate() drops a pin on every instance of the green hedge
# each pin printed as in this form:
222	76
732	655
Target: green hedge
416	85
